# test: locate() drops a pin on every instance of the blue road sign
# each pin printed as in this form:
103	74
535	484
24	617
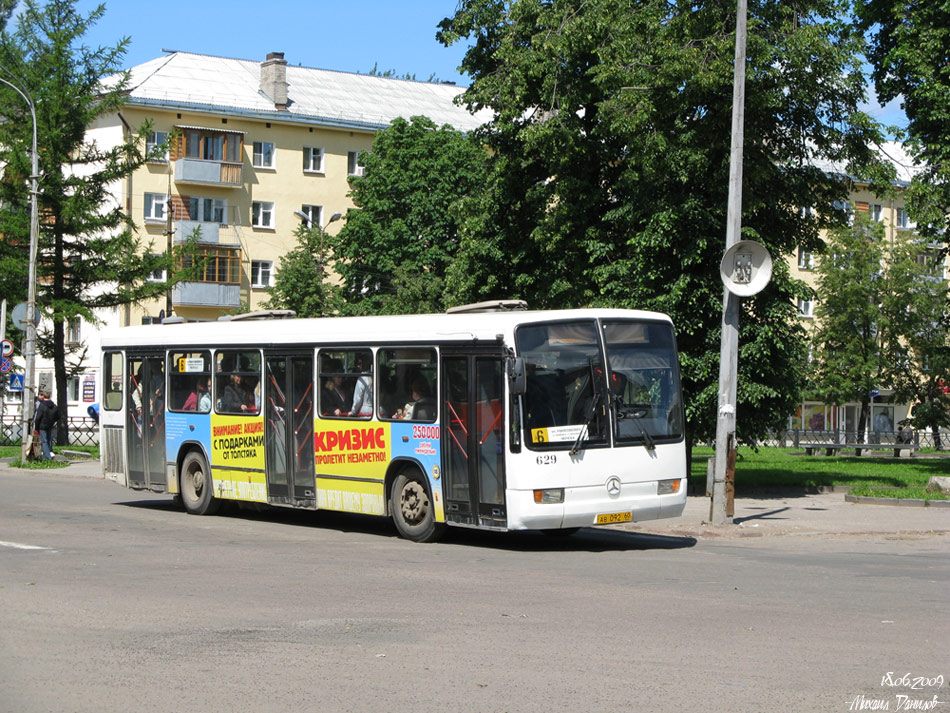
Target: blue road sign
5	365
16	382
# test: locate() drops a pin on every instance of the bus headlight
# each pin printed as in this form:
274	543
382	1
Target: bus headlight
665	487
551	495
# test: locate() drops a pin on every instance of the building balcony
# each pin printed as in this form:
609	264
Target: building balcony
208	173
209	232
206	294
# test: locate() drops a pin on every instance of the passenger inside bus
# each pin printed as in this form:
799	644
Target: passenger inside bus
237	397
333	397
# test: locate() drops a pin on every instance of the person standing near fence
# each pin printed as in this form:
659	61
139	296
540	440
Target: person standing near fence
45	420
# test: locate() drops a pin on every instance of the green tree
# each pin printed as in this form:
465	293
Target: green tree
396	246
88	255
908	50
853	331
301	283
919	344
610	160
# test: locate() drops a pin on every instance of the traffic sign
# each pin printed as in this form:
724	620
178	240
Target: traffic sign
16	382
7	348
5	365
19	316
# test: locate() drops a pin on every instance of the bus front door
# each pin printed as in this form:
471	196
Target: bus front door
288	429
145	422
473	438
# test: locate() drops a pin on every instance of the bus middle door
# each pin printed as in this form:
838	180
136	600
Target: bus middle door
473	437
288	429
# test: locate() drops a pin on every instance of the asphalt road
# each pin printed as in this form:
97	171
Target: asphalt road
132	605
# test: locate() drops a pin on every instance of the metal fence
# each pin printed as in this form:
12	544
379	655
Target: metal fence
797	437
82	431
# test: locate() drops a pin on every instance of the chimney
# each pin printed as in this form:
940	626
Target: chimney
274	79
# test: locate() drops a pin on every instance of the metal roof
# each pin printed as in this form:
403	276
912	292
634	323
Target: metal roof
220	84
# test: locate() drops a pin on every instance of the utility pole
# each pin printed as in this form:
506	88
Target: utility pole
720	510
29	345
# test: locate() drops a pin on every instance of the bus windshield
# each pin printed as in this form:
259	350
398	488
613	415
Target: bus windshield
644	381
565	391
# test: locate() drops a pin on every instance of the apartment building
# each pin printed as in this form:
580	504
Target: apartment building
255	149
891	211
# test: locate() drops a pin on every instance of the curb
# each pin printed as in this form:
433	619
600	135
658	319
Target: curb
900	502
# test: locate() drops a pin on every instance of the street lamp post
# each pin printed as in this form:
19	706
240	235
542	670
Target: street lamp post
29	346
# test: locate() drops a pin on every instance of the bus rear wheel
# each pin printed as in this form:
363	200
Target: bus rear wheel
412	509
196	488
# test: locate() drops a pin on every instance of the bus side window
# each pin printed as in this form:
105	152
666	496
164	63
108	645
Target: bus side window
346	383
187	382
237	381
112	382
407	379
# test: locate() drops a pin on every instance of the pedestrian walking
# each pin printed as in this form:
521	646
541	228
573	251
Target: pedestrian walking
44	421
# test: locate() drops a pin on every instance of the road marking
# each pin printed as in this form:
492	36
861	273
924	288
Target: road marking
18	546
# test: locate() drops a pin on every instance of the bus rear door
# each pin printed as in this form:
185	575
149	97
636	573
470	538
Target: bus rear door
145	421
473	437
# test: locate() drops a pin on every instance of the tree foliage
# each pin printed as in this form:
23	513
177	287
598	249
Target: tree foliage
850	355
610	160
396	246
909	49
919	347
88	255
301	280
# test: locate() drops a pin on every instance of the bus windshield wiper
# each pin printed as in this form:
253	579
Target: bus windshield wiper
590	417
635	412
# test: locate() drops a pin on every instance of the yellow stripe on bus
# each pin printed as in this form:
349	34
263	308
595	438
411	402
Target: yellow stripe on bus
240	485
351	496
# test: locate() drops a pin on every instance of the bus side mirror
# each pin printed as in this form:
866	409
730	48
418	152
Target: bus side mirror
517	382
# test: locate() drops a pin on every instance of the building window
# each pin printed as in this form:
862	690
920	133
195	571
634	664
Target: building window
156	275
213	146
208	210
314	215
806	260
74	330
72	388
353	165
156	146
155	204
262	214
260	273
312	159
218	264
263	154
903	220
877	212
805	308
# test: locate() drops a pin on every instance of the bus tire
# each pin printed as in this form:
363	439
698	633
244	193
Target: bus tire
412	510
196	487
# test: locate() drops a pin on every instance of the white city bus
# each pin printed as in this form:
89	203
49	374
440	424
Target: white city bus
499	420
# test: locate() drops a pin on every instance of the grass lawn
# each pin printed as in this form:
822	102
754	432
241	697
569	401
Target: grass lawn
866	475
15	451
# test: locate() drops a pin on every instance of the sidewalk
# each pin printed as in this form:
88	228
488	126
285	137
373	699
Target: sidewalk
791	513
760	515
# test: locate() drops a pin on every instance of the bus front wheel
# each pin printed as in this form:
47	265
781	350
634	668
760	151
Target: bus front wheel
412	509
196	486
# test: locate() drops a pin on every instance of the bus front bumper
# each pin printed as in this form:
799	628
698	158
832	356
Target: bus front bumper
593	505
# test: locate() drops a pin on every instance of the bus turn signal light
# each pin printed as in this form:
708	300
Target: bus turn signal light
665	487
551	495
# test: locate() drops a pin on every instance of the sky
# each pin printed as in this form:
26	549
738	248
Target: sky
326	34
349	36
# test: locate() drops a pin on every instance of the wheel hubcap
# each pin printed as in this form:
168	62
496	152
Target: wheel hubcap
414	503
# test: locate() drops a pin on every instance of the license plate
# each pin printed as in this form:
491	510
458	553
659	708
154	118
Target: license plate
612	518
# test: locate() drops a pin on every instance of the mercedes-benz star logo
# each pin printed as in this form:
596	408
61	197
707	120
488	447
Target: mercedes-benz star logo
613	486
